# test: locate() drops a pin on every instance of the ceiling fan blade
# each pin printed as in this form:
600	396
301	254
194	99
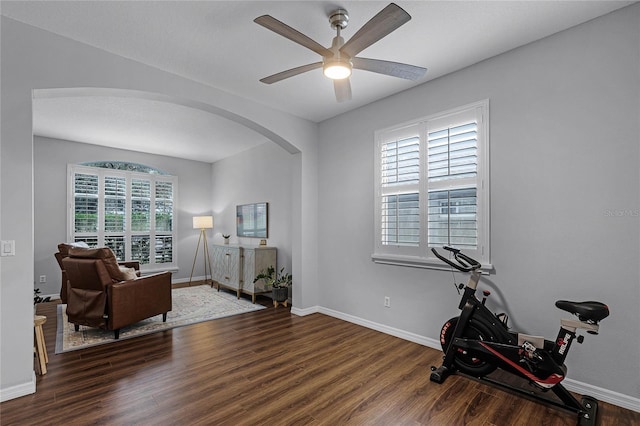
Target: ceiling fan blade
290	73
296	36
395	69
386	21
343	89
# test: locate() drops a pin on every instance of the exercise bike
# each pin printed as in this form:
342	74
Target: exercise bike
478	342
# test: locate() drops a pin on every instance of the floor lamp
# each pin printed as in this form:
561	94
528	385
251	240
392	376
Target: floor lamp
202	223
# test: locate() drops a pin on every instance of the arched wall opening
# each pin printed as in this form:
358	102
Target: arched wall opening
52	153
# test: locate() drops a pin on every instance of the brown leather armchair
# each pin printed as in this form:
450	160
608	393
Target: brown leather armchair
96	299
63	251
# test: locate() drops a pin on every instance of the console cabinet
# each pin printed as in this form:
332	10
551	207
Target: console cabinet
235	267
227	266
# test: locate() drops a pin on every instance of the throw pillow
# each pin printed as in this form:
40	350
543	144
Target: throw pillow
63	248
128	273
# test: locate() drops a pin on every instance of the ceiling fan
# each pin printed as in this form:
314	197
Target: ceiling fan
339	59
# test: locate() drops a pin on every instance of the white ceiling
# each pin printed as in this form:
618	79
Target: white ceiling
218	44
138	122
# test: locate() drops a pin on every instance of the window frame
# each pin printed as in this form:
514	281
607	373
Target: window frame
102	234
421	255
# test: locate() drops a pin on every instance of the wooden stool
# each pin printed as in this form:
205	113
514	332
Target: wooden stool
41	348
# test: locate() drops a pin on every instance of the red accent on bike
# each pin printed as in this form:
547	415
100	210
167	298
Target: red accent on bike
560	342
550	381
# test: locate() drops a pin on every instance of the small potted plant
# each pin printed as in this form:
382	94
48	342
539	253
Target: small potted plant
226	238
279	283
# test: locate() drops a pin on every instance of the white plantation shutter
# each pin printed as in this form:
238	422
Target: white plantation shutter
140	205
113	208
85	203
117	244
400	198
432	187
401	162
453	218
141	248
115	200
164	206
163	247
401	219
452	167
453	152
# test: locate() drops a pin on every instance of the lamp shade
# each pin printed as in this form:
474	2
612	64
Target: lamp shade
202	222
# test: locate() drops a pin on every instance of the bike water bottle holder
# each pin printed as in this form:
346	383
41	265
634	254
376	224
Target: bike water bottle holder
536	341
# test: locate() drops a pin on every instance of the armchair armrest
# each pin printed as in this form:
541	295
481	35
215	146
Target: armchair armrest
134	300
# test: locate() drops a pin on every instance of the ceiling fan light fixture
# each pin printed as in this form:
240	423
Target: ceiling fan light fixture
337	69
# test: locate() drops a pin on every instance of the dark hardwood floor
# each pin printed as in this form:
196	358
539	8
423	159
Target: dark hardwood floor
267	367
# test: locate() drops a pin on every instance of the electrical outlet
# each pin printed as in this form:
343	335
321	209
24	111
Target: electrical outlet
43	278
387	302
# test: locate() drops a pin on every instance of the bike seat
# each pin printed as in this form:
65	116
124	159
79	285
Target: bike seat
586	311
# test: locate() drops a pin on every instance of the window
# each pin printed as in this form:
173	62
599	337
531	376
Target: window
432	187
129	208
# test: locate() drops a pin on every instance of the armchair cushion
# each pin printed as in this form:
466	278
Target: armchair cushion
63	251
106	255
86	292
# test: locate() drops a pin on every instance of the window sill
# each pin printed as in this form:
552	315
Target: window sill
419	262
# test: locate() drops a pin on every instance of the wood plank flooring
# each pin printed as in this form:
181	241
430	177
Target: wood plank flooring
267	368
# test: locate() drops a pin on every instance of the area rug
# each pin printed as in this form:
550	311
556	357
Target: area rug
190	305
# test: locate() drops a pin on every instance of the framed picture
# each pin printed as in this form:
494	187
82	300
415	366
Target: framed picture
252	220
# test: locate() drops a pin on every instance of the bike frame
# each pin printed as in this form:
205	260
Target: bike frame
472	308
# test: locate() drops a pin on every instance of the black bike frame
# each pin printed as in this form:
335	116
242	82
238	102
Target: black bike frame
473	308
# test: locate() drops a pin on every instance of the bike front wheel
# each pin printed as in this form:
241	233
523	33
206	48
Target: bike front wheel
463	360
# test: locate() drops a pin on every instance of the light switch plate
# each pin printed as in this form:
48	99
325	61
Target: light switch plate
8	248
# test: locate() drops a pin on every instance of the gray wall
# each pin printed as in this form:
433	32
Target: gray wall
260	174
565	189
51	157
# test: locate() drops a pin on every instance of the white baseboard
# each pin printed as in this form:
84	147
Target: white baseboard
604	395
306	311
601	394
17	391
186	280
406	335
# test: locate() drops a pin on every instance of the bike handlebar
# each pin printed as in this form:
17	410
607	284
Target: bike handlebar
464	262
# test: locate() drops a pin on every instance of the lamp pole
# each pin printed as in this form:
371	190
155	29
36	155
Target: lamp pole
204	223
